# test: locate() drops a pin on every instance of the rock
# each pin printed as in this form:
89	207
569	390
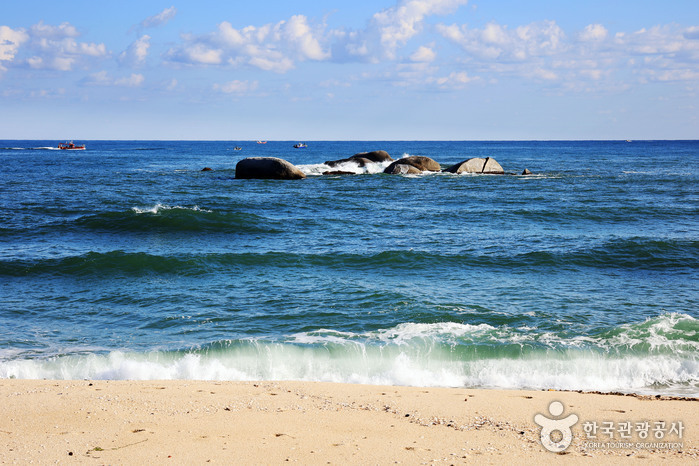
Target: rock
207	169
492	167
376	156
267	168
477	165
363	158
526	172
401	169
361	161
474	165
421	164
338	172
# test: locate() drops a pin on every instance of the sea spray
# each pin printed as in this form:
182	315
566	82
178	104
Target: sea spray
658	354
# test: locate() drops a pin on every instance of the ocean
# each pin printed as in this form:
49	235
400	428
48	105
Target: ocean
127	261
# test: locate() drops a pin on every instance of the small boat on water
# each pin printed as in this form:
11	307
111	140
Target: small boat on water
237	148
262	142
70	146
300	145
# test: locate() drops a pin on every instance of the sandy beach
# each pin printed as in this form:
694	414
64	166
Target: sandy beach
128	422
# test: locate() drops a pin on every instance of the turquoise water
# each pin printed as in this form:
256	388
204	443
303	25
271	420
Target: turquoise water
126	261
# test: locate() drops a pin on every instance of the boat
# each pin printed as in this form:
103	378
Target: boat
237	148
70	146
300	145
262	142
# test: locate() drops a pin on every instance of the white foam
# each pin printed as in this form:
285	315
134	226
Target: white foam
350	167
418	354
162	207
375	365
404	333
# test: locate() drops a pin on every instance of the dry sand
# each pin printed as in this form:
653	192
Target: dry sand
192	422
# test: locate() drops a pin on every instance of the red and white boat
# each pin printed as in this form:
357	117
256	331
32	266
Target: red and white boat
70	146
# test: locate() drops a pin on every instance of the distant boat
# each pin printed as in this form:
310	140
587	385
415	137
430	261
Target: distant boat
300	145
262	142
237	148
628	140
70	146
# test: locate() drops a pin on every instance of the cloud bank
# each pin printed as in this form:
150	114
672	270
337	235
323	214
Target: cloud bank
410	39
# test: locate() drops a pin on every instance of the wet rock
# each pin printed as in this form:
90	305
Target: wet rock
338	172
267	168
361	159
419	163
401	169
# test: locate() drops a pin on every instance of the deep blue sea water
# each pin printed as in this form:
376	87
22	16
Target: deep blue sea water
126	261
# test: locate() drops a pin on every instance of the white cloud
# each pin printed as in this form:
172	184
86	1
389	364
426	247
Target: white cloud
278	64
279	47
543	51
102	78
455	80
593	33
137	52
272	47
60	32
658	40
423	54
56	47
497	42
47	46
297	32
10	41
161	18
390	29
541	73
396	25
135	80
236	87
198	54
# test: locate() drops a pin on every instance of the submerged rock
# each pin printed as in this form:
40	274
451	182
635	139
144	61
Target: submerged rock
419	163
267	168
363	158
477	165
207	169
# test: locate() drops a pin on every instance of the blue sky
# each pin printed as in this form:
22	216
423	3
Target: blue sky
349	70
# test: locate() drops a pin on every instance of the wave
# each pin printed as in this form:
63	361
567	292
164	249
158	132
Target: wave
165	219
659	355
632	254
177	218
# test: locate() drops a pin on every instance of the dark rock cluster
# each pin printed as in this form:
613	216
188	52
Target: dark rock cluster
279	169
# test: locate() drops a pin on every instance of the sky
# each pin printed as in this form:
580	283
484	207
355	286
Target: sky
349	70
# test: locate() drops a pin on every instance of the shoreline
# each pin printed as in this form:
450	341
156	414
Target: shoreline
187	421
